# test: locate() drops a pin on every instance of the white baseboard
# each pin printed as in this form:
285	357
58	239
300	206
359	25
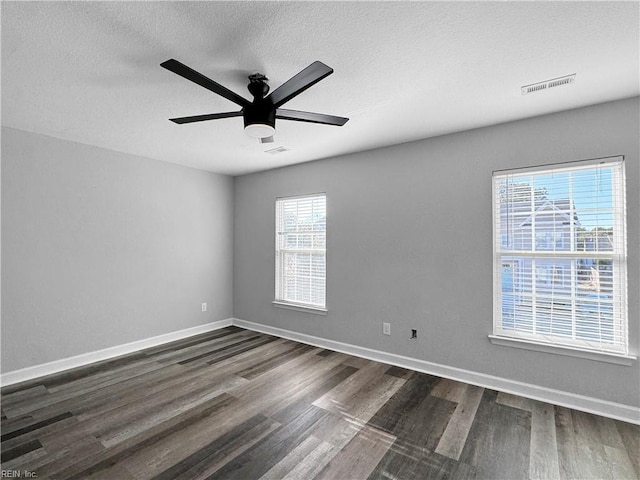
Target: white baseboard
557	397
596	406
56	366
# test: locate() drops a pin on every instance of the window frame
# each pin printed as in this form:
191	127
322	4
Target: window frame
501	254
279	300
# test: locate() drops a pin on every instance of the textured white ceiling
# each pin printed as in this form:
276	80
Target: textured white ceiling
89	71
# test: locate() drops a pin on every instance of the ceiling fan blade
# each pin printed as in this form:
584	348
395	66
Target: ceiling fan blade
196	77
202	118
299	83
311	117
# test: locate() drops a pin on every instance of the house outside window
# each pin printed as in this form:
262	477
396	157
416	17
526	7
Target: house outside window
552	240
301	229
560	255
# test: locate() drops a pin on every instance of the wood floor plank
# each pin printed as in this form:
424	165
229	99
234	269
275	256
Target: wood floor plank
404	461
570	454
77	469
103	378
221	353
88	384
23	395
583	438
313	463
402	414
455	434
357	362
348	414
618	464
257	370
20	449
325	353
296	457
260	458
256	356
112	473
222	356
630	435
208	459
325	381
152	459
514	401
190	341
405	400
543	462
449	390
359	457
26	454
399	372
361	394
41	432
168	410
136	390
336	429
32	427
292	379
211	344
17	426
95	370
114	422
73	373
270	394
608	433
61	456
101	399
244	359
498	444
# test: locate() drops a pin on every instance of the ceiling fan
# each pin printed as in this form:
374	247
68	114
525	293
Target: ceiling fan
260	115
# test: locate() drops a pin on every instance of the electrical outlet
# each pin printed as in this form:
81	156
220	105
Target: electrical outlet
386	328
204	306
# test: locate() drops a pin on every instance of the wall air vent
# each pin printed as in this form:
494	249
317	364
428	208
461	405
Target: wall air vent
547	84
277	150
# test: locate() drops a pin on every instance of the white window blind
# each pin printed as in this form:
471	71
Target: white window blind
301	228
560	255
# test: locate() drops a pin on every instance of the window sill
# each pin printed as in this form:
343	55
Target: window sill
607	357
300	308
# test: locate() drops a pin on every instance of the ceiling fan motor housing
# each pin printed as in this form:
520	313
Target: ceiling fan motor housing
260	118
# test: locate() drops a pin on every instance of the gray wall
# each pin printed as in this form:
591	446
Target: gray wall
101	248
409	242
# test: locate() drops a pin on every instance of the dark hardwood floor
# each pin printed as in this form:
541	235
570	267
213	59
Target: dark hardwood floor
235	404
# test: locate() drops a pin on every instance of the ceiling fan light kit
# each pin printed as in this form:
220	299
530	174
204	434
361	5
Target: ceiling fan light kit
259	130
260	115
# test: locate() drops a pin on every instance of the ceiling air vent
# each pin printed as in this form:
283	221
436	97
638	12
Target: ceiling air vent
277	150
547	84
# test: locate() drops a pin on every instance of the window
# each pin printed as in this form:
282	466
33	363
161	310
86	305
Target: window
301	232
560	255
